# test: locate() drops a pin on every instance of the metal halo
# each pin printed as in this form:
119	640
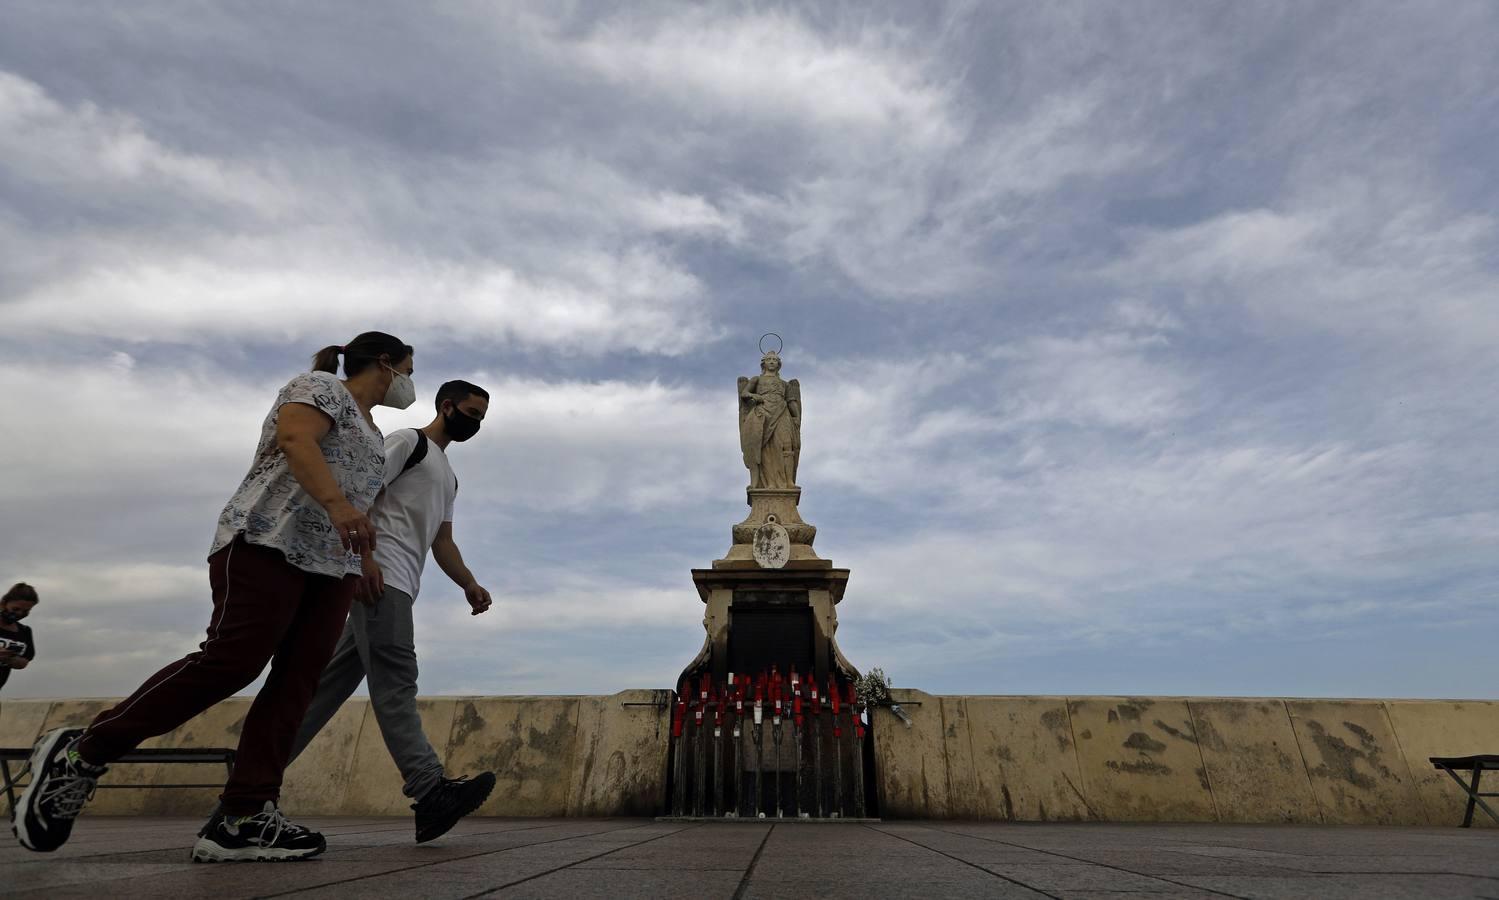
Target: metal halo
781	345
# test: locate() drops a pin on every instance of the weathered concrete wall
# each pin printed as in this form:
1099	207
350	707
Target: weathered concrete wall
1152	759
553	756
1179	759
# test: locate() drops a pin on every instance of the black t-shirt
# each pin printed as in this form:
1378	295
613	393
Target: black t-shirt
23	636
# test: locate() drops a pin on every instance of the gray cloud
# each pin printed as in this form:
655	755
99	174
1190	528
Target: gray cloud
1129	339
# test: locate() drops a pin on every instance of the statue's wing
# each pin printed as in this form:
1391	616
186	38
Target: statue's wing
744	408
794	401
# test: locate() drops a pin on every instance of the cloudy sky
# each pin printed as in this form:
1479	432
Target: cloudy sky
1146	348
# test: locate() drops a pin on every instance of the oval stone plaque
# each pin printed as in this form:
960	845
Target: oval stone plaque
772	547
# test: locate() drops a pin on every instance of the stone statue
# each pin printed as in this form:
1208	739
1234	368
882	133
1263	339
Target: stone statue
770	425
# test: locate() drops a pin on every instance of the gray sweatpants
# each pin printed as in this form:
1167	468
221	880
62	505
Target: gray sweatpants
379	642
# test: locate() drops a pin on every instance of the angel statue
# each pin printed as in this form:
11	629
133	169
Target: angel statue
770	425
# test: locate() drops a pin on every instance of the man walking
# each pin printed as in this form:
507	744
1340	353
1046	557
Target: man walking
414	512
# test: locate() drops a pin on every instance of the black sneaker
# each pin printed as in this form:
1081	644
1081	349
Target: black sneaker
61	783
451	800
213	820
267	835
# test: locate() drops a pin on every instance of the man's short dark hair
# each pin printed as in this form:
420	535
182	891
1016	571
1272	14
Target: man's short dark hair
21	591
458	391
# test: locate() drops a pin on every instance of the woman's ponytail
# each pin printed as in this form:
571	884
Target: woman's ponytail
326	359
361	353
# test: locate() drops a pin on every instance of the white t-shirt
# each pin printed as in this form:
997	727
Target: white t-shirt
412	509
271	509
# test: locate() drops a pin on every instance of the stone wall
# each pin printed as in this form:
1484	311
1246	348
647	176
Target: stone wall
1150	759
1179	759
553	756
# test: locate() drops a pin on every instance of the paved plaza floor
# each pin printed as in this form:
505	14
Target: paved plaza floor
119	858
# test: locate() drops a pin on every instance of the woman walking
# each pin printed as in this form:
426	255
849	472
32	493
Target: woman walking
283	567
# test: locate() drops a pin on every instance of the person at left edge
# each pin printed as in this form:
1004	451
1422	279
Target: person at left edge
283	568
17	646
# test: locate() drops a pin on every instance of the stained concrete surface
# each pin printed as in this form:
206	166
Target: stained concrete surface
1178	759
1140	760
1042	759
617	858
1253	762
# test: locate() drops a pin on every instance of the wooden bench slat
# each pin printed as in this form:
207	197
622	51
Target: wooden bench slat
1465	762
165	754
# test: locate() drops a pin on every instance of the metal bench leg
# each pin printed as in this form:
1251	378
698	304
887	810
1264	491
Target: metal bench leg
10	788
11	780
1472	792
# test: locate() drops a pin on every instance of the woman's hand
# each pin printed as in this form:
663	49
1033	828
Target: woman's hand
353	527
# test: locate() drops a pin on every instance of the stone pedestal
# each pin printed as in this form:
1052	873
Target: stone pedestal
765	625
764	503
757	618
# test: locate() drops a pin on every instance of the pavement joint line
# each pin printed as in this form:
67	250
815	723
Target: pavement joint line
1291	872
754	861
1255	849
1447	874
495	890
438	862
639	869
965	862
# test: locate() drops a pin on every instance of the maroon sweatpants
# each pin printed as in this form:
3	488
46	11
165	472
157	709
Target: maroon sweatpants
264	609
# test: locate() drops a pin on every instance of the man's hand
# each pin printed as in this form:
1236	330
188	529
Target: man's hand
371	584
478	598
353	528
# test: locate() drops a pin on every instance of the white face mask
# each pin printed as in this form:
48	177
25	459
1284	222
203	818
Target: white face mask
401	393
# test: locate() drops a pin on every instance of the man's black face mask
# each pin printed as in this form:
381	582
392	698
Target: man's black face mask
459	425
